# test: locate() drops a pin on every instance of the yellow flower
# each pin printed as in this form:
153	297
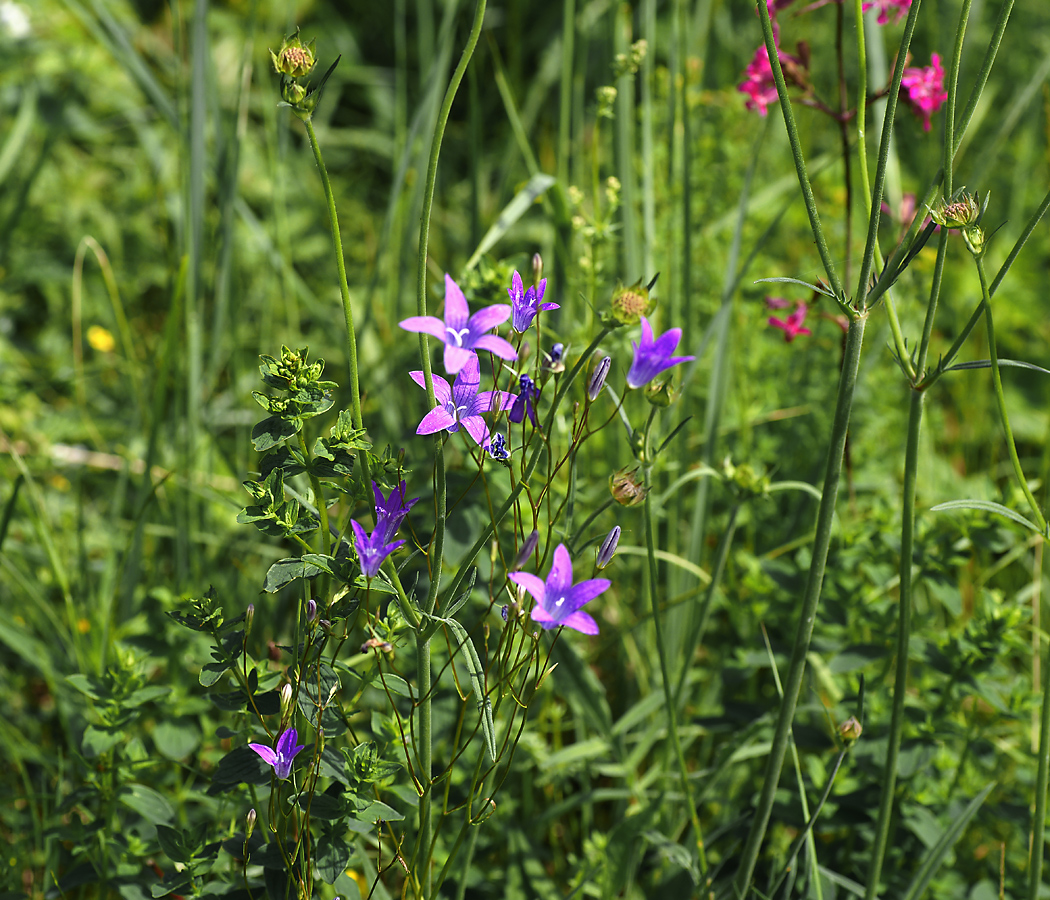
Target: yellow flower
100	339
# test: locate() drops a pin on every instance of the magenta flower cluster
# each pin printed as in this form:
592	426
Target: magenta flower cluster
922	87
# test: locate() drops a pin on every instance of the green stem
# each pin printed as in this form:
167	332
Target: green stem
1000	400
423	670
889	775
661	651
810	602
344	289
1035	864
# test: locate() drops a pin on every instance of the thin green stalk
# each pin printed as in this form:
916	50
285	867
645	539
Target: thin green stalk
1000	400
796	152
810	602
661	651
424	675
344	289
625	151
889	775
1035	863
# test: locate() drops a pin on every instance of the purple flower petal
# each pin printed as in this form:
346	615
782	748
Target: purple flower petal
497	346
456	310
438	419
488	318
476	428
530	582
539	614
267	754
456	358
427	324
586	591
581	622
559	579
442	391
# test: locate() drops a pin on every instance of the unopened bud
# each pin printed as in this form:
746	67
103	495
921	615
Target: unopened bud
850	730
249	823
625	487
962	211
249	618
598	376
608	548
553	361
974	238
528	547
311	610
286	700
294	59
537	268
659	393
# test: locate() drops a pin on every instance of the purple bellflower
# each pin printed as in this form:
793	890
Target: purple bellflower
372	548
391	511
526	304
558	600
461	404
461	332
497	447
651	357
523	402
280	758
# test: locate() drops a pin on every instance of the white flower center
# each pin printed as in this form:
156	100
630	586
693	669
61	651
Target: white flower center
457	335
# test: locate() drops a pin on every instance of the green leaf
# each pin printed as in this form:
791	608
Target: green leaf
90	686
933	859
377	811
273	430
536	187
97	740
241	765
176	738
211	672
174	844
987	506
477	683
285	571
153	807
331	856
330	806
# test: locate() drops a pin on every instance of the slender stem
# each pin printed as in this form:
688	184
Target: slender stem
344	289
1035	864
423	671
1000	400
889	775
661	652
796	152
810	602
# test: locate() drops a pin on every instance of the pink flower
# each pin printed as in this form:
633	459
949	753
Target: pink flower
793	324
898	7
923	89
758	81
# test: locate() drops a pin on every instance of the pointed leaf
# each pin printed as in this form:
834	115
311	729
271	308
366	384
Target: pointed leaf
987	506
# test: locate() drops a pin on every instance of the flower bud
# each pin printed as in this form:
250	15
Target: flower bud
537	268
625	487
974	238
249	823
286	700
608	548
598	376
528	547
629	304
294	59
552	361
959	212
249	619
503	611
659	393
311	610
850	730
292	93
